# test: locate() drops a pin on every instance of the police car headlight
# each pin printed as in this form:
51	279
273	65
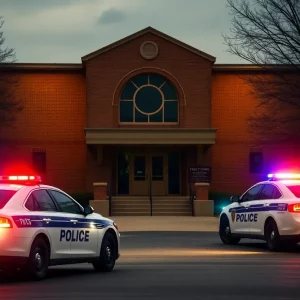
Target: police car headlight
115	225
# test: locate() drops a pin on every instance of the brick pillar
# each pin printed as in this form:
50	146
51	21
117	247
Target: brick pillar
100	190
201	191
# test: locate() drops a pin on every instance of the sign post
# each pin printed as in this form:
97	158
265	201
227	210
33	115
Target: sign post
200	174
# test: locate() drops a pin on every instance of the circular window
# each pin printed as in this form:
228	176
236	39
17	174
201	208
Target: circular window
148	99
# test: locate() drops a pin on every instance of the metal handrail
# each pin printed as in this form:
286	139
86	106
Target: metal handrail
110	196
150	194
192	199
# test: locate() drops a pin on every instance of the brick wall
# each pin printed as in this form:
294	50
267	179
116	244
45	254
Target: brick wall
107	73
232	104
53	119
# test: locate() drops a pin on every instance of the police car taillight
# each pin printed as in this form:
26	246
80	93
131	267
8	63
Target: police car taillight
5	223
294	208
21	179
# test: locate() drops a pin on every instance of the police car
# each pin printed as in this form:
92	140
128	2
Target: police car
269	210
42	226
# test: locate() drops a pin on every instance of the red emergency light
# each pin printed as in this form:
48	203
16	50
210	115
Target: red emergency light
21	179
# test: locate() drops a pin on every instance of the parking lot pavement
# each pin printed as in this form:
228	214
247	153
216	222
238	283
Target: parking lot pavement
166	223
172	265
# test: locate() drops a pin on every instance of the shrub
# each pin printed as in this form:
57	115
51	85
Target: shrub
220	200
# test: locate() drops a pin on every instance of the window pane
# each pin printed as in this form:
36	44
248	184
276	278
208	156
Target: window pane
171	111
123	173
256	162
157	168
31	204
169	91
128	91
126	111
141	79
44	200
267	192
140	117
157	80
139	168
276	194
252	193
39	162
148	99
174	173
156	117
65	203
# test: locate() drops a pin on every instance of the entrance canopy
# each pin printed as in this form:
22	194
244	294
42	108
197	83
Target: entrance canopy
150	136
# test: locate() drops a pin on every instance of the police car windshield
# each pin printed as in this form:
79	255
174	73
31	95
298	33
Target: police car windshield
295	189
5	196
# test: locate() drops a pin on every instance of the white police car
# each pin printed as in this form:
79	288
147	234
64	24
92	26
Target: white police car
41	226
269	210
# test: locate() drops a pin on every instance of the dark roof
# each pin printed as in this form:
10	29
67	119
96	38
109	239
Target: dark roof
41	66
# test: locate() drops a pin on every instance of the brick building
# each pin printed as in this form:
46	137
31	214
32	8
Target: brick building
132	118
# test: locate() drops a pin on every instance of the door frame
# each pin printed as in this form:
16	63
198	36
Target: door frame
148	152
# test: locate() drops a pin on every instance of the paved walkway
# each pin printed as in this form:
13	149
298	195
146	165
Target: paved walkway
166	223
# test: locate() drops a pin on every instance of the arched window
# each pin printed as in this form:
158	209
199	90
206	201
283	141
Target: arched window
149	98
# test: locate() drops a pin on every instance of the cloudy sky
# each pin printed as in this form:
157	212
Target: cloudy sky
62	31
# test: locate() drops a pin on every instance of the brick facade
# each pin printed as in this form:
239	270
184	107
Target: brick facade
60	104
52	120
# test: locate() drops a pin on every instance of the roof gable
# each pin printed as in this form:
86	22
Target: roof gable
142	32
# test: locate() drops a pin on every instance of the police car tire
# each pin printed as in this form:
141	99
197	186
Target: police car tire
39	247
227	239
106	264
273	237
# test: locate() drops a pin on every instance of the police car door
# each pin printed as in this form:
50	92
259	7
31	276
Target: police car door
82	235
47	216
243	215
262	206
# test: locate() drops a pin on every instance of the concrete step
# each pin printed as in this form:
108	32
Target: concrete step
163	208
123	213
172	213
167	203
131	202
115	204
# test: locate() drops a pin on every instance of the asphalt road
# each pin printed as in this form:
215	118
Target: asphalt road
171	265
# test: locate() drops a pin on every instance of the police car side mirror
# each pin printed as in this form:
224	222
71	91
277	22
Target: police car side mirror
88	210
234	199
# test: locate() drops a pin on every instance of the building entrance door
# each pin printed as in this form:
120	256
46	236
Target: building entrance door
146	167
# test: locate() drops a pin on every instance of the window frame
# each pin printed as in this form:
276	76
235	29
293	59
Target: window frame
163	122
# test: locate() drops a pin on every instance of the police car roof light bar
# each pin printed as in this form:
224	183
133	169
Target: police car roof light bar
21	179
284	176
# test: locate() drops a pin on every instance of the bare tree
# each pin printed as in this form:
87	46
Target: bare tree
266	33
9	104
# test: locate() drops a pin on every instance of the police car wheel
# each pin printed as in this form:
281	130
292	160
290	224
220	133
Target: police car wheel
107	258
225	232
38	260
272	236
